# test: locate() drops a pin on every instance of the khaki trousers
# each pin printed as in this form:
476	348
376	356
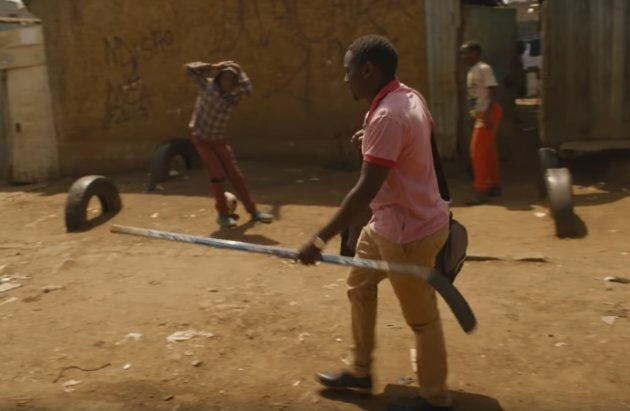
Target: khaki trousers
417	300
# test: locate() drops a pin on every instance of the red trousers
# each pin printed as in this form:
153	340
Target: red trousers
483	152
217	158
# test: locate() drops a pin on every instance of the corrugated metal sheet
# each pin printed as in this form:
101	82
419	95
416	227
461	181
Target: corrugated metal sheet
442	22
586	71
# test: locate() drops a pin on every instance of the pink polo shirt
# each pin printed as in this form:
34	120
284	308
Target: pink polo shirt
408	206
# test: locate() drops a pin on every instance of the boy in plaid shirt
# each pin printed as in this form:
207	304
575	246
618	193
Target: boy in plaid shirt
217	98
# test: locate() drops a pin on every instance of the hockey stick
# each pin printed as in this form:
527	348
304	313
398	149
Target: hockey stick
440	283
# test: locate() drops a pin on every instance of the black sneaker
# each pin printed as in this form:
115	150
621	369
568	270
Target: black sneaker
345	380
262	217
478	199
494	192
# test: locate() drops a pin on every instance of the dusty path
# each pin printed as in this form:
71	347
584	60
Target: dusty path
541	343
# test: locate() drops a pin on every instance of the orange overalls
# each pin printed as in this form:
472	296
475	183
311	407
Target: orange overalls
483	151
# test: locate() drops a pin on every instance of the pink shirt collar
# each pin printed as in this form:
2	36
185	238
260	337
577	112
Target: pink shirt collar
388	88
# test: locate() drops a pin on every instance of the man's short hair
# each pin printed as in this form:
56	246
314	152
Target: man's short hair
378	50
472	46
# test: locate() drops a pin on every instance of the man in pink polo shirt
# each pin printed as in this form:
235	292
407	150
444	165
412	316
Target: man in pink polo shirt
409	223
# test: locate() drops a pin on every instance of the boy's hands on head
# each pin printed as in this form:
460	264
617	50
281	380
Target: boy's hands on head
226	64
197	67
200	67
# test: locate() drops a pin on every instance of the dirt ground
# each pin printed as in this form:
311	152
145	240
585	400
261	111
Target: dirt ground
541	343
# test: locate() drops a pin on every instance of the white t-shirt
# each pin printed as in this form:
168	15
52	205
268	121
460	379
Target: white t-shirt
480	77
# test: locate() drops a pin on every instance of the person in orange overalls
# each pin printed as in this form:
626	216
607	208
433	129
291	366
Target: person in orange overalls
486	110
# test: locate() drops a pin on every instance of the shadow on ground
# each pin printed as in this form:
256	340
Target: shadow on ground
395	395
144	395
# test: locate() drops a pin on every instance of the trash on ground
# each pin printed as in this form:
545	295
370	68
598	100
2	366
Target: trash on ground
620	280
9	286
531	257
187	335
609	319
130	337
52	287
9	300
69	385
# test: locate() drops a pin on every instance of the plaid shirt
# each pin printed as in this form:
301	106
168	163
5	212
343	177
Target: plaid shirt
213	108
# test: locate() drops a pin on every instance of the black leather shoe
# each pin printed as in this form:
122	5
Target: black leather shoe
344	379
494	192
478	199
417	404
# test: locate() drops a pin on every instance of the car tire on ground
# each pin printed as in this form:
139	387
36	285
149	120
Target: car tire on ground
79	197
160	167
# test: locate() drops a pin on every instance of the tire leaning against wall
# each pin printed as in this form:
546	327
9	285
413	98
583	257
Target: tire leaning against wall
560	191
160	162
547	158
79	197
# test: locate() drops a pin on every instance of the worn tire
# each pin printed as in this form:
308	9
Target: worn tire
165	153
547	158
560	191
79	197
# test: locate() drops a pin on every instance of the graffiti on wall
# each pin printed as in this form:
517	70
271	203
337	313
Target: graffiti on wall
297	42
127	95
311	35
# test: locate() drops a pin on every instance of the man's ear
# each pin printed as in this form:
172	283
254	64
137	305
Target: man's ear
368	69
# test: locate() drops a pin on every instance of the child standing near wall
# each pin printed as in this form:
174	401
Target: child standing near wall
222	86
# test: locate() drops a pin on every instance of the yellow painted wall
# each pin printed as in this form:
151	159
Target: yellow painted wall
119	88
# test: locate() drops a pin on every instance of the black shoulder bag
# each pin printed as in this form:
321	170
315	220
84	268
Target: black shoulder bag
450	260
